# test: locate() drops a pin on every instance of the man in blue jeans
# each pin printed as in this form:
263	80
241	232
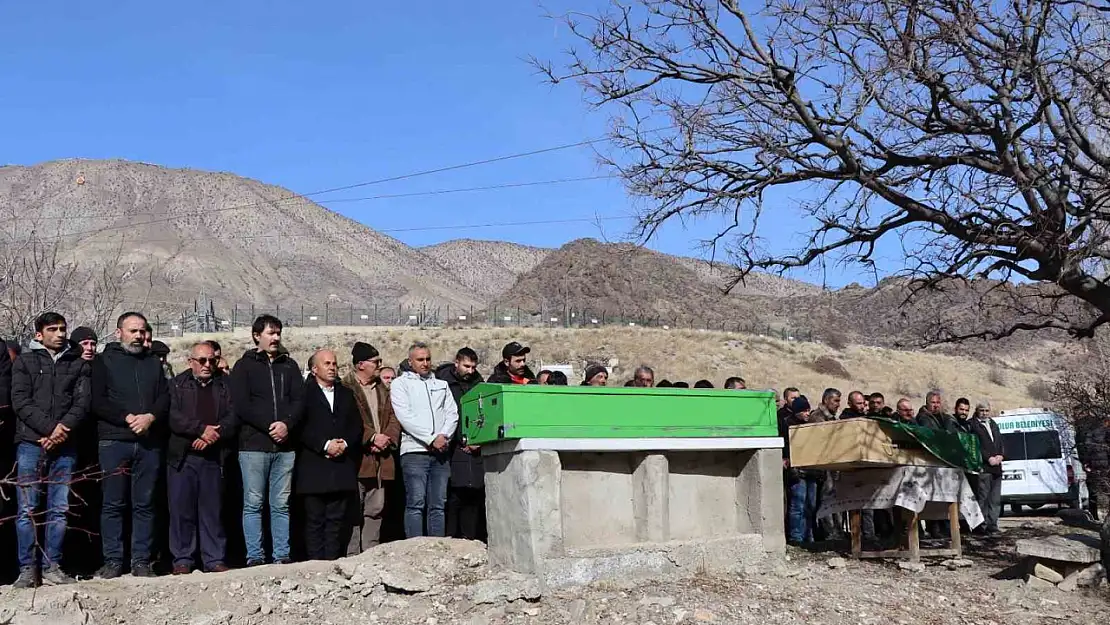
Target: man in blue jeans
267	390
50	395
426	410
131	401
801	485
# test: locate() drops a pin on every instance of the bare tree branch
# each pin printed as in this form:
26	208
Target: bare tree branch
970	134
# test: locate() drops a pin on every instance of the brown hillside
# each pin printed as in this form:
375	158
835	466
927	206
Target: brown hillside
487	268
237	240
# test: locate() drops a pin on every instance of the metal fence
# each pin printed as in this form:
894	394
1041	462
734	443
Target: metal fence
210	318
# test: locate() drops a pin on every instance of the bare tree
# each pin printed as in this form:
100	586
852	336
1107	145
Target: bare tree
968	135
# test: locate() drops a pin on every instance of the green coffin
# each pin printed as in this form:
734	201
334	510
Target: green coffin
493	412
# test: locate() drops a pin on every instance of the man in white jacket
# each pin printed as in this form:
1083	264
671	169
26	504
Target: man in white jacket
428	415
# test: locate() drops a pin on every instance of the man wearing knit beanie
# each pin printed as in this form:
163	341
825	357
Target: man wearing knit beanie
87	339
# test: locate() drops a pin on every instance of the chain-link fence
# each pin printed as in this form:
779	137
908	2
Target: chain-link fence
211	318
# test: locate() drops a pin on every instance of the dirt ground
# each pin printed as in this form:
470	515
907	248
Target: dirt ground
441	582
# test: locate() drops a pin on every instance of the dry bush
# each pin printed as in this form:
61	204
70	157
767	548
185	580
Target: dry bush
997	376
836	340
1041	391
827	365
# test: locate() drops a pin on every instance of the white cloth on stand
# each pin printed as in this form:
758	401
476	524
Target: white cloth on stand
924	490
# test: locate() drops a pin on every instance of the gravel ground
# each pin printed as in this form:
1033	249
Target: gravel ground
440	582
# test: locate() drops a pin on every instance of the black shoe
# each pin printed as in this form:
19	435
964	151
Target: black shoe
284	561
142	569
253	563
110	570
28	578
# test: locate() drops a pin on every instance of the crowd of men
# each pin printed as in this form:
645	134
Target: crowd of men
806	487
379	446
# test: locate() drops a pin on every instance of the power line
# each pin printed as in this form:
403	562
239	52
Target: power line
433	192
416	174
496	224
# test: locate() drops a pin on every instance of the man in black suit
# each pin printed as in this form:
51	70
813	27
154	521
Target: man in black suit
988	489
328	459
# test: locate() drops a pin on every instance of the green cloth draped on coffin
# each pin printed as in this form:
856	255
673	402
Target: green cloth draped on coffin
957	450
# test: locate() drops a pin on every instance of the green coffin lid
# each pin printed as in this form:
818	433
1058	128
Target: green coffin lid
492	412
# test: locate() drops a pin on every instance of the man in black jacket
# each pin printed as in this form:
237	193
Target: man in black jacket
202	423
50	394
328	459
988	488
131	401
513	368
267	390
466	494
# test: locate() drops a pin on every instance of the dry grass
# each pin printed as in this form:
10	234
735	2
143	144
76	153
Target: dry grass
675	355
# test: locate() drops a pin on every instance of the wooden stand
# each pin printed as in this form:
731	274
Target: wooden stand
913	550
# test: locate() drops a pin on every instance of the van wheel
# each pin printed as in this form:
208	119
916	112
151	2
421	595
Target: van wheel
1015	508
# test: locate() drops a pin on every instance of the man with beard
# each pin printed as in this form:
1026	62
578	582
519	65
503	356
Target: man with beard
466	493
964	424
513	368
643	377
267	390
131	401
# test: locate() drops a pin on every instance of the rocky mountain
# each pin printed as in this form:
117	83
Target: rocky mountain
180	233
486	268
236	240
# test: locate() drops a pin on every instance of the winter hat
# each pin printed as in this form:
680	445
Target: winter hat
83	333
159	348
592	371
800	404
362	352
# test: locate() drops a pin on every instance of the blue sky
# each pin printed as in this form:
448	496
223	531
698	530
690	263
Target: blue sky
317	95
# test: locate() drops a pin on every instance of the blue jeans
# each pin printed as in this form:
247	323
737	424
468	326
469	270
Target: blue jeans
38	470
425	487
802	510
266	476
131	472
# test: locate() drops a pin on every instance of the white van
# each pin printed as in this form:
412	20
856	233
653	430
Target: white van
1041	465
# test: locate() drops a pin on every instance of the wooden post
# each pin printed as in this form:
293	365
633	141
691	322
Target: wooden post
954	521
914	539
855	523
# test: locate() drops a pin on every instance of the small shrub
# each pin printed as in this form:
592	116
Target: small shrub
836	341
827	365
904	389
997	376
1041	390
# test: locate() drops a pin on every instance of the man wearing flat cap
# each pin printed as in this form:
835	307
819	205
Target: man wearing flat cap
513	368
380	434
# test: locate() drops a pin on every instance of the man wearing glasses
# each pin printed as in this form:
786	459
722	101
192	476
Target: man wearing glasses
201	423
426	410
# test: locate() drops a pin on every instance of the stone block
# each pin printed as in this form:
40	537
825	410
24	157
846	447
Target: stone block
1090	576
650	503
1072	548
523	509
1046	573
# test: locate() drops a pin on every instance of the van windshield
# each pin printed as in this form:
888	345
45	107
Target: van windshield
1043	445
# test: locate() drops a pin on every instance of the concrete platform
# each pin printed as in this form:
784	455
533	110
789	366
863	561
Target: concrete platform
574	516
